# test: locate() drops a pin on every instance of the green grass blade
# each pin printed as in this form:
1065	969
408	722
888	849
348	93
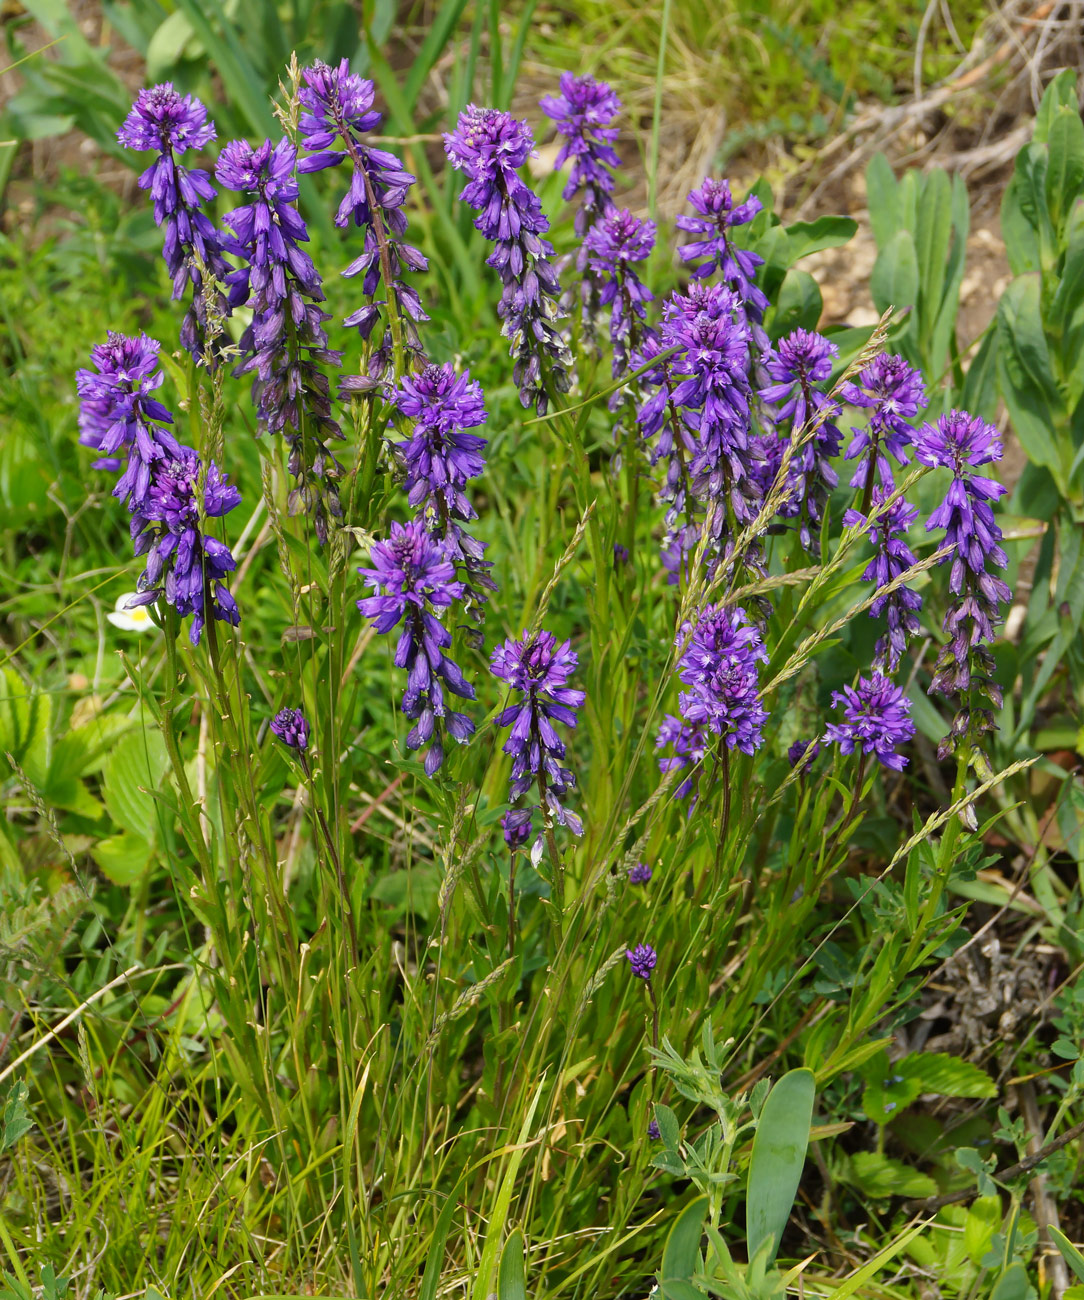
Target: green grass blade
512	1273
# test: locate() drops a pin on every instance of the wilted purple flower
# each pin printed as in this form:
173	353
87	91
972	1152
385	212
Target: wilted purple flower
715	250
961	442
584	113
171	123
719	668
796	754
119	417
489	146
292	728
639	873
875	720
286	344
417	580
538	669
892	557
688	743
183	564
614	244
338	110
642	959
894	392
516	826
801	361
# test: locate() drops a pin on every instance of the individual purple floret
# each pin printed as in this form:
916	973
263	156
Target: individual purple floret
653	1130
875	720
719	668
338	111
538	669
516	826
715	250
185	565
800	362
642	959
961	443
614	244
584	113
639	873
892	556
170	123
797	752
417	581
292	728
489	146
118	416
893	392
688	743
286	344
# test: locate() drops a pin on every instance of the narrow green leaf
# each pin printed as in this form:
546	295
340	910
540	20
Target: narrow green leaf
511	1273
775	1166
933	234
894	282
1060	94
882	195
1065	169
1069	1252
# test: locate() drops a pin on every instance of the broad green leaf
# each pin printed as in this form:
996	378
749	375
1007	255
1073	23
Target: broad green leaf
131	774
947	1076
879	1175
798	305
1012	1284
1018	229
882	197
979	394
25	731
894	282
173	41
682	1249
123	858
1065	168
806	237
778	1156
1059	95
1025	374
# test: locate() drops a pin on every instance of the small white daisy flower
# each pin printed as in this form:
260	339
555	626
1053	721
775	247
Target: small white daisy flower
131	620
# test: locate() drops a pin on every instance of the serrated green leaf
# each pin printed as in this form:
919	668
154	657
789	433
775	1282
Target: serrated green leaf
947	1076
131	774
879	1175
123	858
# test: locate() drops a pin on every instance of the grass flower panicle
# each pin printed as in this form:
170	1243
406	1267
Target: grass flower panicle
415	581
489	146
170	123
876	719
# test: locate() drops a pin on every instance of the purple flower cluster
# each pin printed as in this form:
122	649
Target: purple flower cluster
584	113
892	556
719	669
715	250
338	111
538	669
876	718
642	960
118	415
439	458
960	443
292	728
614	244
688	745
800	362
490	146
416	581
185	565
170	123
893	392
286	344
639	873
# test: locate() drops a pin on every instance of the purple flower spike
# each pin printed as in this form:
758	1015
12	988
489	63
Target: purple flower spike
538	669
584	113
171	123
642	959
876	718
614	244
961	443
893	392
118	416
489	146
292	728
639	874
338	110
715	250
417	582
184	565
286	344
516	825
892	557
719	667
